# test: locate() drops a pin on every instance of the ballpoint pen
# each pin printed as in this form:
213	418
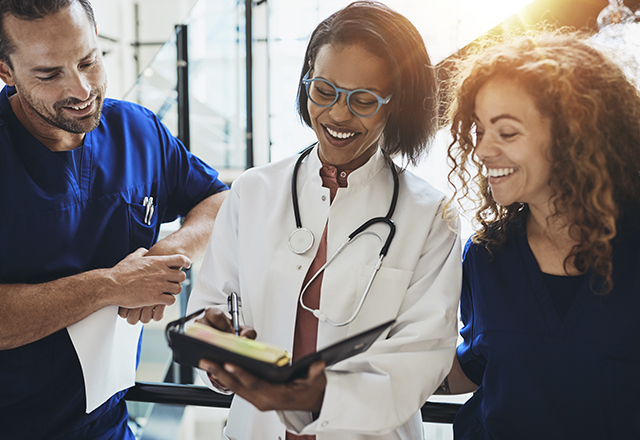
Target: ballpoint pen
148	203
232	305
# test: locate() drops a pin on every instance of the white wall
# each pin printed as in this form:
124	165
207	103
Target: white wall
116	20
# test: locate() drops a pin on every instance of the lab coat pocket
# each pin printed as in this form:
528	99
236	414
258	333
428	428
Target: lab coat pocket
143	226
384	299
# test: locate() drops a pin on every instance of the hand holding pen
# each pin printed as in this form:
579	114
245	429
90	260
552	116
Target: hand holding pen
215	317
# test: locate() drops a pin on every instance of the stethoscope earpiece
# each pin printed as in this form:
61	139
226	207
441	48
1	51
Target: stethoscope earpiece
302	239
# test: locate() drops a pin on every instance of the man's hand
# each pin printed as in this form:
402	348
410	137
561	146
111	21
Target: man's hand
190	240
146	282
142	314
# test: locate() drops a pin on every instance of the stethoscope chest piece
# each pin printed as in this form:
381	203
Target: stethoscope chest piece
300	240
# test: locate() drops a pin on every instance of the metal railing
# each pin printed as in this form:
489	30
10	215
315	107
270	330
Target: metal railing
168	393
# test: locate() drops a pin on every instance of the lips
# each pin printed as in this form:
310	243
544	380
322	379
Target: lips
501	172
339	137
81	109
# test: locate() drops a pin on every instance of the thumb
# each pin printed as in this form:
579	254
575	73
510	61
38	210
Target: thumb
316	369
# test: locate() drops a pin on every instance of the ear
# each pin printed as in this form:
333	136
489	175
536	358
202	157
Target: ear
6	74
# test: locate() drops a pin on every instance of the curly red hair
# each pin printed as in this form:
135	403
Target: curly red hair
595	125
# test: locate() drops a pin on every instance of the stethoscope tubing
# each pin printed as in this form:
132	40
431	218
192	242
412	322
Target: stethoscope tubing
352	237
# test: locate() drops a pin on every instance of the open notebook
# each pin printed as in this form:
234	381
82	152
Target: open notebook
266	361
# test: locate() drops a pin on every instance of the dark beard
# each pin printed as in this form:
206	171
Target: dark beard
72	125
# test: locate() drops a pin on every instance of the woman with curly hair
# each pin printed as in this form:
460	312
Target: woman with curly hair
547	138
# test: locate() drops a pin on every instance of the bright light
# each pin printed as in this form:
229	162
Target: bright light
477	17
448	25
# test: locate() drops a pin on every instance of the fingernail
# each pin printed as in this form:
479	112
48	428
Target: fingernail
203	365
229	368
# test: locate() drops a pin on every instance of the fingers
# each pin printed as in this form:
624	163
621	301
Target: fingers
158	312
213	371
316	370
133	317
248	332
170	287
177	261
146	314
141	281
142	314
217	319
305	394
176	275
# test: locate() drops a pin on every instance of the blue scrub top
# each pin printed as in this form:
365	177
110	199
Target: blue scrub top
542	377
57	222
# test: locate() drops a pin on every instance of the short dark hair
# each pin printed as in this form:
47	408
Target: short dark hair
32	10
384	32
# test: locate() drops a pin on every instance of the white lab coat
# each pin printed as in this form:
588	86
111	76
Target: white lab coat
374	395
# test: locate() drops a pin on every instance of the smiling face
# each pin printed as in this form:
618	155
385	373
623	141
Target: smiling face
513	143
58	75
347	141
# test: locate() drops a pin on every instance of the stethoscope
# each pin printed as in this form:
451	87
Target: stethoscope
302	239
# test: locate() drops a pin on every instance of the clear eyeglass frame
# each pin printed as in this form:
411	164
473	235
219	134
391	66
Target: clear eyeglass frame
381	101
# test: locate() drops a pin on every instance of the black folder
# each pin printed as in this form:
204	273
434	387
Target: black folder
188	351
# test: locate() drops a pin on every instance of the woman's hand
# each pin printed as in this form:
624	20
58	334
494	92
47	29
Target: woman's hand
304	394
217	319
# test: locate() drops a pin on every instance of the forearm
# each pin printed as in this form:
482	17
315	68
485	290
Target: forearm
194	233
456	381
33	311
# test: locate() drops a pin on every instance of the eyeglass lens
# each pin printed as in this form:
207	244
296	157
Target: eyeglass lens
362	103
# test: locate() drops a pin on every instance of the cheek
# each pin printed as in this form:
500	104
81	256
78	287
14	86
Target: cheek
376	127
314	113
43	96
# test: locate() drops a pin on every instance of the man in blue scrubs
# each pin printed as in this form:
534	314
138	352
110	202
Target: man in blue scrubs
85	183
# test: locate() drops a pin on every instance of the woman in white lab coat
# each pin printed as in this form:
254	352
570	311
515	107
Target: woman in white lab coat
368	91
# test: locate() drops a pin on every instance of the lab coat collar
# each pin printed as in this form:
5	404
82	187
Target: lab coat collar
358	177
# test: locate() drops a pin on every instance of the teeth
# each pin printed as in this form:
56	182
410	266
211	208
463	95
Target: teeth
500	172
339	135
82	107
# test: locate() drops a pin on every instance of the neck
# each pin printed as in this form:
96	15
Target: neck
352	164
53	138
550	240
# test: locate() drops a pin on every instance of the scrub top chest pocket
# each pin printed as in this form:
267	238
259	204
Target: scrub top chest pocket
144	225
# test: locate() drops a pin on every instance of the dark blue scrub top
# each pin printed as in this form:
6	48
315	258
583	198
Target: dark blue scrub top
542	377
55	222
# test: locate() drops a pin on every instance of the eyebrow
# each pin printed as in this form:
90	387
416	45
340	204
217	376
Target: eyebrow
495	119
43	69
504	116
371	89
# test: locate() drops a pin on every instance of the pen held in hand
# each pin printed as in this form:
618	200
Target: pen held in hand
232	305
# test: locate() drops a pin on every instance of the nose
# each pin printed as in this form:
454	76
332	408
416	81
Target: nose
486	148
339	111
78	86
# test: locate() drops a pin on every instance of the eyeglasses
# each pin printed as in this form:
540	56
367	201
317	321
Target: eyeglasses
361	102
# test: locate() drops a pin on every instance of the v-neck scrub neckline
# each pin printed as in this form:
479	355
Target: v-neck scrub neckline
541	375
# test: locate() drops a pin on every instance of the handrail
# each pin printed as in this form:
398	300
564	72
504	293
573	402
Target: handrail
434	412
